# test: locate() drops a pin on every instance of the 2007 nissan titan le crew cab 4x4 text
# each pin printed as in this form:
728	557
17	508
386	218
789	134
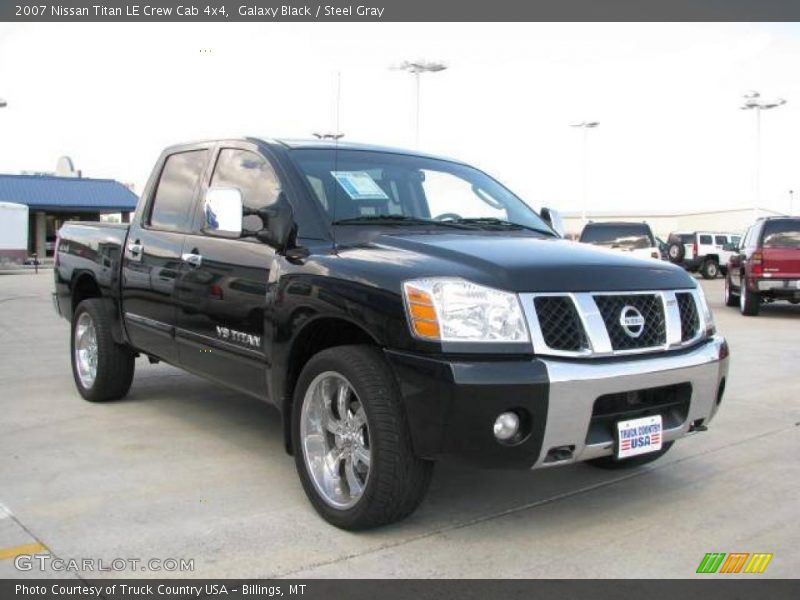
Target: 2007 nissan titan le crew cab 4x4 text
396	308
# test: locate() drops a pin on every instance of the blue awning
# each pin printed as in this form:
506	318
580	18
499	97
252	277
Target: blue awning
67	194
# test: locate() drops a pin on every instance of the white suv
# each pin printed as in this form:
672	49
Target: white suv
704	251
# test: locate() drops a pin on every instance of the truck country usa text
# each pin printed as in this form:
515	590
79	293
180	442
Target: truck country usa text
309	11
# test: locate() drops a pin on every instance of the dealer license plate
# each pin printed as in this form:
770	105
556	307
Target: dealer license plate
638	436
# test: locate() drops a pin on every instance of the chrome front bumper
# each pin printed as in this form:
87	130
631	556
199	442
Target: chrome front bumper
575	385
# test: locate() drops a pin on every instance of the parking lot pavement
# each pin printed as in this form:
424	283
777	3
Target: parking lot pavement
185	469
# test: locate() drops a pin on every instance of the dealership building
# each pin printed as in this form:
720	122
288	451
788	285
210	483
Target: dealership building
52	199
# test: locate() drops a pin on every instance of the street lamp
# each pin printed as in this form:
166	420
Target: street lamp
585	126
753	101
417	68
791	203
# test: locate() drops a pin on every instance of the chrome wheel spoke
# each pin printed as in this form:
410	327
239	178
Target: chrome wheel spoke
362	455
342	401
353	482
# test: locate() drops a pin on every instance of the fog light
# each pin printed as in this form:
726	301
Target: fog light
506	426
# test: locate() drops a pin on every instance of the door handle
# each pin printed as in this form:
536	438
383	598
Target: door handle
194	260
135	251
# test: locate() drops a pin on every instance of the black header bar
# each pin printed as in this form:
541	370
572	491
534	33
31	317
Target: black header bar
396	10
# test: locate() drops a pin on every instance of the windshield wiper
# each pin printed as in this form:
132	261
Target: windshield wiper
502	223
398	220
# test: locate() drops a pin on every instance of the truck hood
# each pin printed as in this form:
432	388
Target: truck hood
516	262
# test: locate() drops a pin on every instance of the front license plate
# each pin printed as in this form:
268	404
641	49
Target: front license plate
638	436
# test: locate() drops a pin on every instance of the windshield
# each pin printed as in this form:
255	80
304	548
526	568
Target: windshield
628	236
360	187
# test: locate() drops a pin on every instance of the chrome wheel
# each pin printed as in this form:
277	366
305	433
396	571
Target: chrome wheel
86	350
742	297
335	439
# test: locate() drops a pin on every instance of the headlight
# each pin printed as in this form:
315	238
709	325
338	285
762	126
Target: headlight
708	318
456	310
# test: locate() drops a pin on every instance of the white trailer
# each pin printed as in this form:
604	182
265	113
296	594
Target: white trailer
13	232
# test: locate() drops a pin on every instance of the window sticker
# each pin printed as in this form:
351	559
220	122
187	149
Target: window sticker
359	185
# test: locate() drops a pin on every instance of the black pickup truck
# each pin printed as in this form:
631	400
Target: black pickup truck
397	309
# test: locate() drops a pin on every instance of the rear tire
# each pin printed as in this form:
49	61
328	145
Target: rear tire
710	269
395	479
749	301
612	463
731	299
102	368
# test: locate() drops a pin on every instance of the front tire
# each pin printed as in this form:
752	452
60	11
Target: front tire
103	369
731	299
351	440
612	463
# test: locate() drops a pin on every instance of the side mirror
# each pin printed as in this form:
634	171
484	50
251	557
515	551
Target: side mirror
553	218
279	229
222	212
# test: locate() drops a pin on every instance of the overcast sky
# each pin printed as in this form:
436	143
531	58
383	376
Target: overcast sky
671	136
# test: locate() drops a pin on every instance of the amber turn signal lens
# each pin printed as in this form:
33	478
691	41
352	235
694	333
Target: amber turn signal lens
422	313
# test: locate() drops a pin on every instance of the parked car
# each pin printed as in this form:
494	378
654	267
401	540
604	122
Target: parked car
765	267
636	239
397	309
705	252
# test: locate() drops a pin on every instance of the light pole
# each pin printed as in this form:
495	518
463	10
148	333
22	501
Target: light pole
585	126
791	203
417	68
754	102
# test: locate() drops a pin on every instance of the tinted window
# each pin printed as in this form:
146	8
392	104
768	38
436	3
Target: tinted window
253	175
735	239
781	234
720	240
175	191
634	235
686	238
705	239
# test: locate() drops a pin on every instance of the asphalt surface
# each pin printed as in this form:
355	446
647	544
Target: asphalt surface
185	469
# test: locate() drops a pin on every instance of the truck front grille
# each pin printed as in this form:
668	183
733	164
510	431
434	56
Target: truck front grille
560	323
585	324
690	319
649	306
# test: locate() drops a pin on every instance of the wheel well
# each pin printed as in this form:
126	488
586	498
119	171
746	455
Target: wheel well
84	287
713	257
314	338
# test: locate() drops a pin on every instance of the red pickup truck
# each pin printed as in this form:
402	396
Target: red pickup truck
766	266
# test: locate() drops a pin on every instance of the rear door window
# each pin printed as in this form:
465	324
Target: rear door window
626	236
180	177
781	234
705	239
720	240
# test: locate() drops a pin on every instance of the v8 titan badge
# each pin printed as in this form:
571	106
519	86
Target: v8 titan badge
639	436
